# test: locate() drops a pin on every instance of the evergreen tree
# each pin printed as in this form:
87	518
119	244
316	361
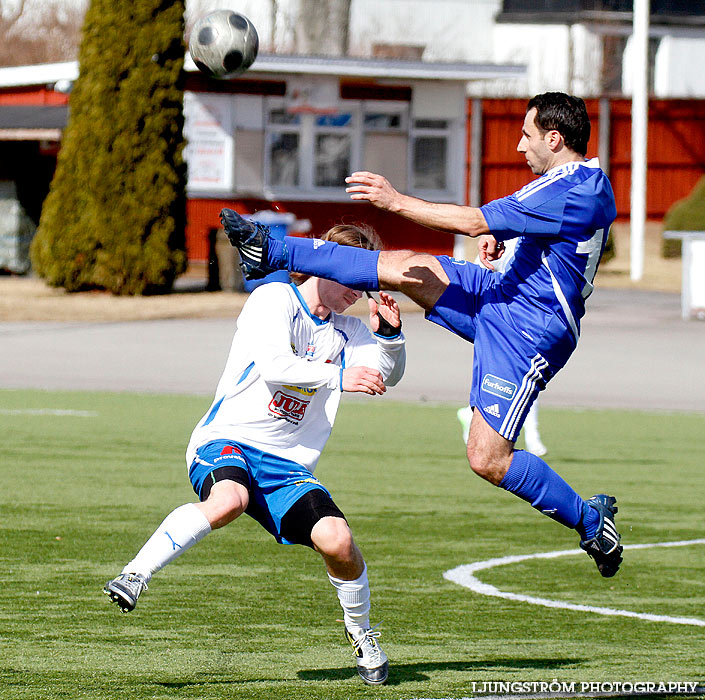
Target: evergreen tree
115	215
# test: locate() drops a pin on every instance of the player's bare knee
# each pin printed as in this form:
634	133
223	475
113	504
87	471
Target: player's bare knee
484	465
226	501
333	539
418	275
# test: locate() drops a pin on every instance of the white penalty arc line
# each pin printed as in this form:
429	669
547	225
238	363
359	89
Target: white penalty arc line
465	576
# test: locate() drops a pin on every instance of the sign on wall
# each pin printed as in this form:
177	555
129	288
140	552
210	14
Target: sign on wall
209	151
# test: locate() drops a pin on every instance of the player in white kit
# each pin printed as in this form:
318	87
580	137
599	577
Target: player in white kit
256	448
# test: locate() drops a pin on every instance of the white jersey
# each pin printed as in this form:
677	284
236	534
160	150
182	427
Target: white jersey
281	386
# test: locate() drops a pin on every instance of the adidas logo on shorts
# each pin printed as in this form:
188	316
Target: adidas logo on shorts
493	410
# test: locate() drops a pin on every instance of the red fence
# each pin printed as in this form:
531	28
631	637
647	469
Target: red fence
676	150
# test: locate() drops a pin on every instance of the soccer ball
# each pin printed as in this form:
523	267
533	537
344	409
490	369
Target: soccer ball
223	44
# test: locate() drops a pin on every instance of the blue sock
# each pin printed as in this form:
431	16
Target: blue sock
350	266
530	478
591	519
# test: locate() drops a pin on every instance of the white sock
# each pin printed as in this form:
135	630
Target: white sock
354	597
531	424
181	529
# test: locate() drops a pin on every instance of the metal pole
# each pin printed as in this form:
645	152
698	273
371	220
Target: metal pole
640	111
605	135
476	154
475	190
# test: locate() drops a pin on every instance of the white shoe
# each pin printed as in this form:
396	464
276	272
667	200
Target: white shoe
125	589
372	664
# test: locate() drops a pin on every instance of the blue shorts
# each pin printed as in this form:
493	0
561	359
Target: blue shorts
518	346
274	484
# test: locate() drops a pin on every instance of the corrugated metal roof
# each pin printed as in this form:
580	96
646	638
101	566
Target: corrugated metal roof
50	73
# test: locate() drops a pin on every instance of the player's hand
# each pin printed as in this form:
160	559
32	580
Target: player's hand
385	318
490	249
364	380
374	188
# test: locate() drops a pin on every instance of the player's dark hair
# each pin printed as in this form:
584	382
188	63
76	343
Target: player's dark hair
565	114
356	235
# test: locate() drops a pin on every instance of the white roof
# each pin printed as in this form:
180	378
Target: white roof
40	74
50	73
377	68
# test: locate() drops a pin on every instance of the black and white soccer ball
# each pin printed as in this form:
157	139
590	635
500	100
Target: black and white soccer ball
223	44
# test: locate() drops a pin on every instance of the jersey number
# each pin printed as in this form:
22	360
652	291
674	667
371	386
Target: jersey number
593	249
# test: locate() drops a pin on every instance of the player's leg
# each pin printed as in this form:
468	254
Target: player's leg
493	457
333	540
527	476
347	573
316	521
418	275
507	376
224	496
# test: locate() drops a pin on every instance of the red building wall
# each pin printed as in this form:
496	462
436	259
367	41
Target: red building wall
676	150
30	96
396	232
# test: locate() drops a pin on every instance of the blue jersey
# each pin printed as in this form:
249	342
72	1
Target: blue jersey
562	220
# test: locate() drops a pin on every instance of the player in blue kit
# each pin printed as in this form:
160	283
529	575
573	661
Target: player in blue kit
524	322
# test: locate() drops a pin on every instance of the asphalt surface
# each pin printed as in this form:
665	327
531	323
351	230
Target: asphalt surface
635	352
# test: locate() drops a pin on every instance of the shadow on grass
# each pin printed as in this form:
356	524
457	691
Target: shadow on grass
416	672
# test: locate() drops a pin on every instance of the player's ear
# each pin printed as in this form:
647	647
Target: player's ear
554	139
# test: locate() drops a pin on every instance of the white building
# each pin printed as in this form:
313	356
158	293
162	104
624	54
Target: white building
575	50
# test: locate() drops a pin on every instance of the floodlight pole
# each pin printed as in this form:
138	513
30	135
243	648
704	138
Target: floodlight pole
640	116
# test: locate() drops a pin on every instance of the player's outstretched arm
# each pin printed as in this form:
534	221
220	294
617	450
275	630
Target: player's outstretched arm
450	218
363	380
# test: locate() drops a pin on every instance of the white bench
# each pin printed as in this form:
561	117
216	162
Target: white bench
693	283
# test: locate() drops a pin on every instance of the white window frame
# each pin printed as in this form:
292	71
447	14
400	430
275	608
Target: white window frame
386	107
356	129
450	192
351	129
307	131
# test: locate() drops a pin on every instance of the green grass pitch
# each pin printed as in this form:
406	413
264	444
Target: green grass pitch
239	616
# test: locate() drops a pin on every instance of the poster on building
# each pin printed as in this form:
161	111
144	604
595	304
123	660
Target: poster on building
209	151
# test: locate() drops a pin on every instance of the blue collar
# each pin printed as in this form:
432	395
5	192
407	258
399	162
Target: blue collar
313	317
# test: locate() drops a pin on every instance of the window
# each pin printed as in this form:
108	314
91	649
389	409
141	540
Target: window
283	149
309	155
332	150
386	141
380	121
429	154
284	163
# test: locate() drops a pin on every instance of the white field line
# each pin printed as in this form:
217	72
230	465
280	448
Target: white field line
465	576
47	412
